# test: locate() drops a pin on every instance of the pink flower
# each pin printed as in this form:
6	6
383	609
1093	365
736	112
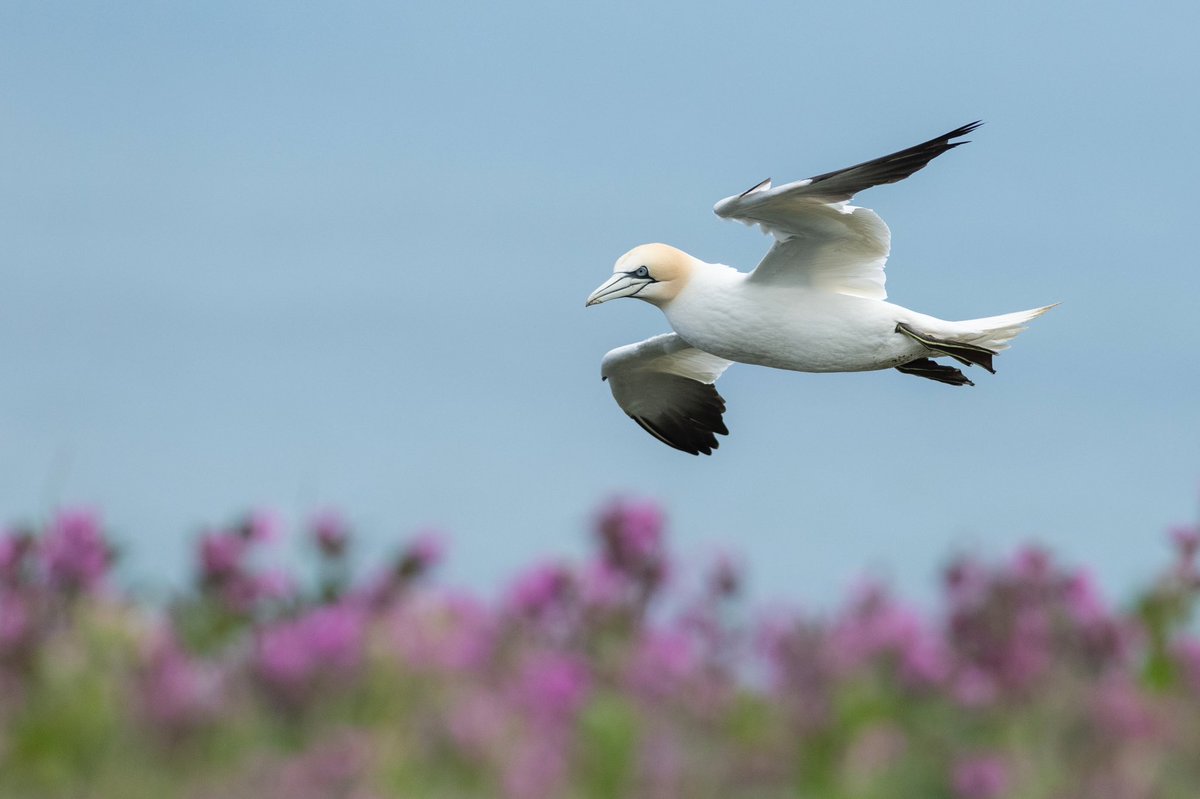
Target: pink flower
1082	599
282	658
1187	541
476	723
966	582
1026	654
643	528
601	586
980	777
537	590
16	621
660	662
274	585
1119	709
422	554
330	532
552	686
15	548
261	525
74	550
221	556
455	634
632	536
974	687
1032	564
178	692
874	625
334	635
428	549
292	654
924	660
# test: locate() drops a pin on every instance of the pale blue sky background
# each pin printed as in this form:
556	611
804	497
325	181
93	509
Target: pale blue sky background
337	254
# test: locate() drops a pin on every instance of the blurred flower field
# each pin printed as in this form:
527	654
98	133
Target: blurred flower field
607	678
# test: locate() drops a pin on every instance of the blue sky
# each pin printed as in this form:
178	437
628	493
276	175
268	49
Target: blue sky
337	255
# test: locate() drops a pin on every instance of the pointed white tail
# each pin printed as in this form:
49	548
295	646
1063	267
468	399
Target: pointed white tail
994	332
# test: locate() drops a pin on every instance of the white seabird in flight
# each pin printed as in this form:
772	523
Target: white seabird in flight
815	303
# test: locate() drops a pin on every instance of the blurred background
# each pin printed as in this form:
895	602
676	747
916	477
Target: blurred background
291	257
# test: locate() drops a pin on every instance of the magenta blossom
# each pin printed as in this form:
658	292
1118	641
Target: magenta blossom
660	662
476	722
452	634
221	556
261	526
974	687
632	536
538	590
1032	564
428	549
330	532
74	550
601	586
1187	542
980	777
16	547
552	686
966	582
16	621
178	692
293	653
1119	709
876	625
423	553
1082	599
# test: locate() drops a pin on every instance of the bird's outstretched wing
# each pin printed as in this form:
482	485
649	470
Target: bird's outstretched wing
666	386
820	240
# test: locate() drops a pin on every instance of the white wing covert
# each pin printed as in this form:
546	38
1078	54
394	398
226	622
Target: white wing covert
666	386
820	240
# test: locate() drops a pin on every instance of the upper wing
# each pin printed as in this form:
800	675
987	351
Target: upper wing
666	386
821	241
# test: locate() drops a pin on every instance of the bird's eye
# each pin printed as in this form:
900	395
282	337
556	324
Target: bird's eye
642	272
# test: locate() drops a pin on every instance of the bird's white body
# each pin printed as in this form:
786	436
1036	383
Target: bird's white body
815	303
723	313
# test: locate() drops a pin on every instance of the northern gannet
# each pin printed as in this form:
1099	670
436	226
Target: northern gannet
815	303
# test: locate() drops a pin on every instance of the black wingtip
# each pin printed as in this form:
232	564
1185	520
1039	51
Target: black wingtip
694	425
956	133
845	183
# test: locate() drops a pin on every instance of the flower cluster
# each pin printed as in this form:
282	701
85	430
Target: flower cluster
600	678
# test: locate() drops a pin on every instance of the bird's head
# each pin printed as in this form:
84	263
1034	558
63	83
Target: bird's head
652	272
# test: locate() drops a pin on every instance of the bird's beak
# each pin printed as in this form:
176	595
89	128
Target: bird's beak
619	285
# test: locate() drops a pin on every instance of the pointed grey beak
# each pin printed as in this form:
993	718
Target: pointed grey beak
619	285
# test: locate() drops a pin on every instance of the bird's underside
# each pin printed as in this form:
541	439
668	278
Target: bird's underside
667	387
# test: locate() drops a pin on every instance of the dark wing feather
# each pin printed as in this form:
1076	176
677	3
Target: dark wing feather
690	422
842	184
666	386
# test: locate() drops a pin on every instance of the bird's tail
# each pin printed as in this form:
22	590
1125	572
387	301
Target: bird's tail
994	332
